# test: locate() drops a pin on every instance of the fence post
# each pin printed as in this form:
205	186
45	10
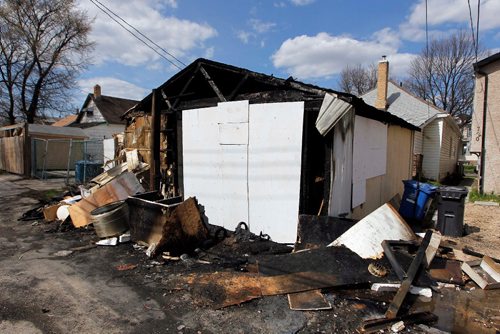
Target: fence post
69	159
45	158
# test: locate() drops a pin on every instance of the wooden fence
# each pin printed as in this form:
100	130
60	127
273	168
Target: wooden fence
12	154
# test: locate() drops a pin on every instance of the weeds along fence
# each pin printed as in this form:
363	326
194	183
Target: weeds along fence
57	158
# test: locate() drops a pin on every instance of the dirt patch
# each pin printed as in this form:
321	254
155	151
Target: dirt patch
482	229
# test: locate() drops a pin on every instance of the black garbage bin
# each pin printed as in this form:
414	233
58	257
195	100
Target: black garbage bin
451	203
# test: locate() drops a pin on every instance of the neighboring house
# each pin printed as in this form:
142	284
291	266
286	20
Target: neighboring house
439	144
260	149
487	102
66	121
100	118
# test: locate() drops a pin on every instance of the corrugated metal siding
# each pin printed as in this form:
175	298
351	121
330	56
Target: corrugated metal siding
449	151
431	149
418	143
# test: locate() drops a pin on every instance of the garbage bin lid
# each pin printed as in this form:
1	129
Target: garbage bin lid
452	192
454	189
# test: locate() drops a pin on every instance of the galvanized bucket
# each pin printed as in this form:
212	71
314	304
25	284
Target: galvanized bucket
110	220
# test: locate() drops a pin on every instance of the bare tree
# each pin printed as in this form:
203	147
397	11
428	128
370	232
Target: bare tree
43	47
443	75
358	79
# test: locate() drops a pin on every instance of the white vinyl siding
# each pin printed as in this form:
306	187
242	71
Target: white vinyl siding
432	149
94	117
449	151
418	142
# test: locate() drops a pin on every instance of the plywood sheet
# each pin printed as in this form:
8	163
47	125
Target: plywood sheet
12	154
312	300
369	154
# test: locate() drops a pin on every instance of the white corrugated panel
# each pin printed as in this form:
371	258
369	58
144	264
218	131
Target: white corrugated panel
332	110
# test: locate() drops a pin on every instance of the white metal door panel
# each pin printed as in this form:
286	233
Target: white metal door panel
202	160
233	186
274	158
233	133
233	112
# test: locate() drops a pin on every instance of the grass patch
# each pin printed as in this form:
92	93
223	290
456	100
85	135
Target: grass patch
469	169
46	196
475	196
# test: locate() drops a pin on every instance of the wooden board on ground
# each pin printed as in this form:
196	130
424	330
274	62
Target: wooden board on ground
282	274
447	271
312	300
315	232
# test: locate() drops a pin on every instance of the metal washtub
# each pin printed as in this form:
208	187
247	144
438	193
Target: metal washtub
111	220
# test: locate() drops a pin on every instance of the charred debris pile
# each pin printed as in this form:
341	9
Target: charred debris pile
379	258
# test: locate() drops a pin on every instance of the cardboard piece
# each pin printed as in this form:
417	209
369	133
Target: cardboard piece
50	212
118	189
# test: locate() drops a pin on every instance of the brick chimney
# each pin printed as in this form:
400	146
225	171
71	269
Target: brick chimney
382	81
97	91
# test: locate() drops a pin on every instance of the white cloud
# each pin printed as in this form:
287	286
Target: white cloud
324	55
258	27
261	27
280	4
113	43
209	52
171	3
301	2
441	13
114	87
244	36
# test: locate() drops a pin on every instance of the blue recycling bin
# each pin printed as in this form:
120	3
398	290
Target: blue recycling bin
416	198
86	170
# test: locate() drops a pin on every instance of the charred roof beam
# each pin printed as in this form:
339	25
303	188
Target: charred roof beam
212	84
186	85
238	87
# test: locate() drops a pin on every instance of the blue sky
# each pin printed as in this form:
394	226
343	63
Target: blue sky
311	40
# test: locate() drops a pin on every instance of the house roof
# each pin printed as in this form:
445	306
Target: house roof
111	108
205	83
65	121
486	61
405	105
